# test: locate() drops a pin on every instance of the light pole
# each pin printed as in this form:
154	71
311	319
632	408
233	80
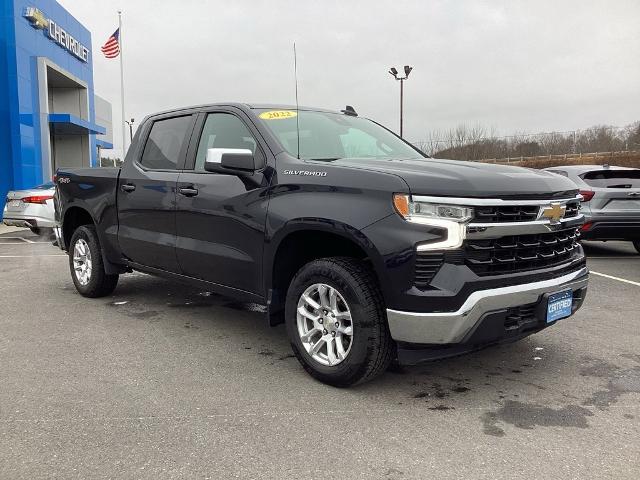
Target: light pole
130	123
394	72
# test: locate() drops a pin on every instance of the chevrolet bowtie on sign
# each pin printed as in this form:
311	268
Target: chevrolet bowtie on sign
56	33
554	212
36	17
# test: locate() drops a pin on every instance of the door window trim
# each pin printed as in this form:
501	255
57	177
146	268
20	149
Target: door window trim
182	155
194	143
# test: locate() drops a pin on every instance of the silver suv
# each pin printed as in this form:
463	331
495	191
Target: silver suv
611	204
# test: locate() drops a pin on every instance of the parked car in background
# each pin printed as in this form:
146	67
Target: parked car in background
611	204
31	208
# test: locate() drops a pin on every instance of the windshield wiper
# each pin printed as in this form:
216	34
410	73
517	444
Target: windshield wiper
328	159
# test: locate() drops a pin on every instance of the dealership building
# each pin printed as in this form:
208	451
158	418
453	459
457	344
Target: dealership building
50	116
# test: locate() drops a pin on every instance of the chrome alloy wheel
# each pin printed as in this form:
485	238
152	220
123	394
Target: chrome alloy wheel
324	324
82	261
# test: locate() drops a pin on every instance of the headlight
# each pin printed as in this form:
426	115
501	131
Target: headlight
413	211
453	218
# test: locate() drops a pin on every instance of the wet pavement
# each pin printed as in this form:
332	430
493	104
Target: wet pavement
161	380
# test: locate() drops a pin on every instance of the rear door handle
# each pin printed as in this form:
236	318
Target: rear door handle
188	191
128	187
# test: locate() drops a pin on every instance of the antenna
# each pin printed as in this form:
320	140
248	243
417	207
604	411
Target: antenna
295	73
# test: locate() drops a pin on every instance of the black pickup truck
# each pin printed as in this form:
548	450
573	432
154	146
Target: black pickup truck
366	248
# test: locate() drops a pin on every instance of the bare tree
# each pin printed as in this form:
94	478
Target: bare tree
478	142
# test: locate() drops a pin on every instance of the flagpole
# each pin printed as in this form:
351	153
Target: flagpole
124	136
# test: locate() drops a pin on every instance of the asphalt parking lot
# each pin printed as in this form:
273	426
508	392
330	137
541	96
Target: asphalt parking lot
164	381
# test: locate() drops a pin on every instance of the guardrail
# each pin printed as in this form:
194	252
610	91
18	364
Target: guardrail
628	158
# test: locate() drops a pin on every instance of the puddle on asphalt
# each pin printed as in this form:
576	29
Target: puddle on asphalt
622	381
529	415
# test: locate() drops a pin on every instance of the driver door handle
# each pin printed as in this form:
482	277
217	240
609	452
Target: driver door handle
188	191
128	187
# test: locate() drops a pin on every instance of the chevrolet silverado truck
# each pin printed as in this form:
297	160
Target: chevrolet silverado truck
367	249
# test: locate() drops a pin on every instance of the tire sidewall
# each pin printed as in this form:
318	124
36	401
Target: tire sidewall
88	236
327	273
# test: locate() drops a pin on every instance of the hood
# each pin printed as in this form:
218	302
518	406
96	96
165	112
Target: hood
455	178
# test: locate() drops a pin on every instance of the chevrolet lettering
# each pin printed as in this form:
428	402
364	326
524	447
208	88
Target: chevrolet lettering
56	33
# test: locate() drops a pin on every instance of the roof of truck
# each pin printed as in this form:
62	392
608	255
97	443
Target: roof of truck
246	106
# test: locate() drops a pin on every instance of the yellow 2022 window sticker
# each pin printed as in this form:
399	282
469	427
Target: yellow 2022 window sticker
277	114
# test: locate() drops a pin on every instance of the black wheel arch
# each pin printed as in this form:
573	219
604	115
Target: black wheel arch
303	240
76	216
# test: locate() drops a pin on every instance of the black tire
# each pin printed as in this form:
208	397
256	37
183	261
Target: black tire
636	244
99	283
372	347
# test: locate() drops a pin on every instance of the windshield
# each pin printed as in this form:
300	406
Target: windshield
330	136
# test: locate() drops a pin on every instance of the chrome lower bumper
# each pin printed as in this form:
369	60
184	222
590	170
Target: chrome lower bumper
452	327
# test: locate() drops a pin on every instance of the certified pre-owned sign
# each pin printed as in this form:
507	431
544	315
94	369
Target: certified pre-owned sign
56	33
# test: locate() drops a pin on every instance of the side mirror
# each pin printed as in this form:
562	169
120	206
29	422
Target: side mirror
228	160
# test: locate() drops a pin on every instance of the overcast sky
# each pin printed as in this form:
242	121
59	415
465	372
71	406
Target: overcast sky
511	65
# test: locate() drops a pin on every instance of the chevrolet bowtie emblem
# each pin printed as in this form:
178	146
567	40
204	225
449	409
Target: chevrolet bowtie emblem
36	17
554	212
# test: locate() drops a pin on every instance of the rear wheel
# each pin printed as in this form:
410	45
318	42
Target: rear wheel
636	243
87	267
336	322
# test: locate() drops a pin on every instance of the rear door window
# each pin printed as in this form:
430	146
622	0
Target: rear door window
613	178
165	143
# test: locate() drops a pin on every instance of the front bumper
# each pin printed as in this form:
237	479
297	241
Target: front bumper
441	328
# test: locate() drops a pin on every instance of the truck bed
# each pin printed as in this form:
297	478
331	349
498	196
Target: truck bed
93	190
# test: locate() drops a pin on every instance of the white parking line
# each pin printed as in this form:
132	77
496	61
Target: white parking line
637	284
30	256
29	241
625	258
23	243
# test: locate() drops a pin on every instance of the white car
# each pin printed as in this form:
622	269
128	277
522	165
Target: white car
31	208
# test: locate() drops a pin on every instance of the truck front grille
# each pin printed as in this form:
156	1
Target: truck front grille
573	210
520	253
516	213
426	267
507	213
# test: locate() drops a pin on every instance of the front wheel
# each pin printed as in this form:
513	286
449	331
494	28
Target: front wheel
87	267
636	243
336	322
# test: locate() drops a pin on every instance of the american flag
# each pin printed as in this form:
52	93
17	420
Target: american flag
111	49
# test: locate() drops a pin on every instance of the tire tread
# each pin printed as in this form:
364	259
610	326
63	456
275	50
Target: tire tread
381	348
102	284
